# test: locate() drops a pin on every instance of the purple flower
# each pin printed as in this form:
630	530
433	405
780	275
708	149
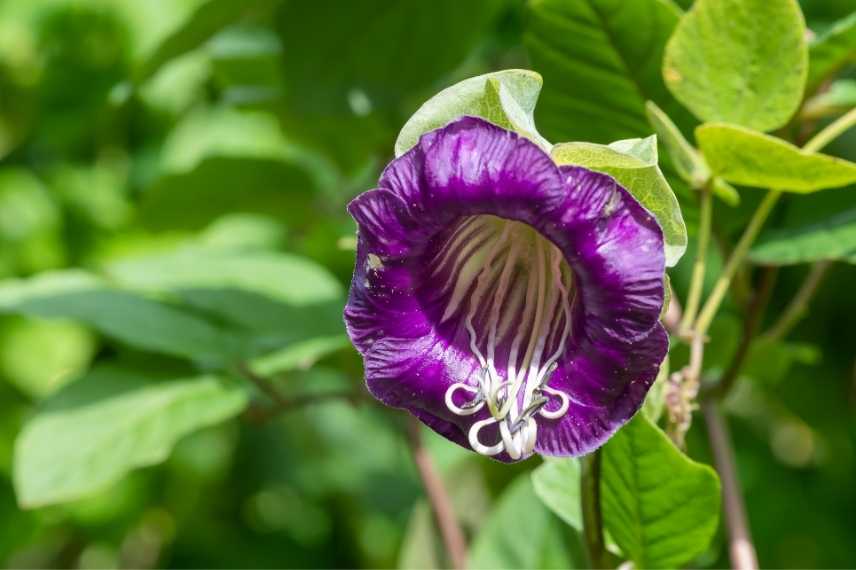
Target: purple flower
510	304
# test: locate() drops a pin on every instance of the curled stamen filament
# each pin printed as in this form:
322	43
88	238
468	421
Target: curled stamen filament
525	276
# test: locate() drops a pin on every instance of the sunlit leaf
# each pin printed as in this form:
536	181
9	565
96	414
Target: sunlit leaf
633	163
111	421
739	61
506	98
659	506
747	157
832	239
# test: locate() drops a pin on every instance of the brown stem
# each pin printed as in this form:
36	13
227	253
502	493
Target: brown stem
740	547
438	497
592	514
799	304
750	326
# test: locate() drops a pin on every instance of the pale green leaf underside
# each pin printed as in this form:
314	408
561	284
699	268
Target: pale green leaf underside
506	98
133	319
601	61
519	533
747	157
97	429
633	163
831	51
660	507
280	276
833	239
557	484
740	61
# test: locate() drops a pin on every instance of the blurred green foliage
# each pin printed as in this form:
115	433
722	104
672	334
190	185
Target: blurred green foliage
173	178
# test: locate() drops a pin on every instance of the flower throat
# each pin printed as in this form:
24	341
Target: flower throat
514	292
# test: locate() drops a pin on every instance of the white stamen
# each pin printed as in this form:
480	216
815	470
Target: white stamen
531	299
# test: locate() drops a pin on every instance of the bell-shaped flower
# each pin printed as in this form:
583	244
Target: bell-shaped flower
510	304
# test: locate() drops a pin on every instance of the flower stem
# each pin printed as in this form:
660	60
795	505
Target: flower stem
831	132
697	281
592	515
799	304
710	308
740	547
438	497
816	143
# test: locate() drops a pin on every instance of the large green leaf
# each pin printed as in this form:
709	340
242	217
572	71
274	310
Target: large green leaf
221	161
132	319
833	239
744	156
659	506
520	533
601	61
633	163
275	298
343	94
740	61
280	276
506	98
112	420
200	25
831	51
557	484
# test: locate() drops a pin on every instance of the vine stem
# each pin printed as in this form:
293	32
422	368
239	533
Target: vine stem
697	280
711	306
740	547
799	304
816	143
831	131
441	504
592	514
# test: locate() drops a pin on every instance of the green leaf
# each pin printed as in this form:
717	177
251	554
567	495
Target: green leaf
831	51
134	320
832	239
601	61
557	484
506	98
275	298
655	400
689	164
520	533
220	161
40	356
743	156
112	420
280	276
633	163
222	185
660	507
367	58
301	355
208	19
739	61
